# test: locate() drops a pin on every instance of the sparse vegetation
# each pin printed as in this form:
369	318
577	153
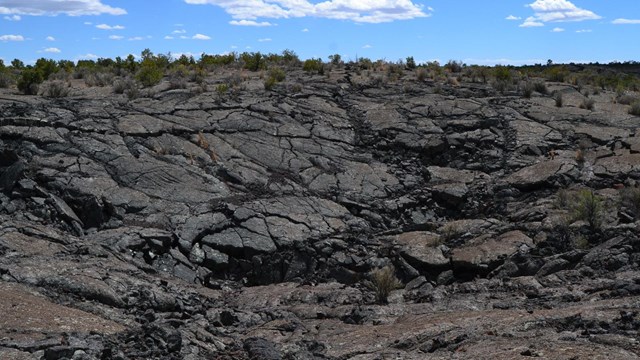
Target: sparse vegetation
558	99
55	89
274	76
382	282
30	80
540	87
313	66
411	63
120	86
149	74
588	207
527	90
587	104
635	108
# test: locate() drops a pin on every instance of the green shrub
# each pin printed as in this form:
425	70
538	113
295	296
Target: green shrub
313	66
100	79
635	108
540	87
335	59
277	73
222	89
5	77
527	90
587	206
274	76
120	86
46	67
29	81
269	83
557	73
55	89
253	61
422	74
382	282
411	63
502	73
149	74
454	66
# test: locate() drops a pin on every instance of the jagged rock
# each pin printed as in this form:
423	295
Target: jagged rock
192	223
422	251
485	253
542	174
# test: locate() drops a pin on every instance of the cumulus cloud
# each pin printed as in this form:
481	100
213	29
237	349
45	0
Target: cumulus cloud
13	18
625	21
378	11
11	38
50	38
58	7
558	29
109	27
511	17
201	37
531	22
264	40
136	38
169	37
367	46
87	57
181	31
584	31
556	11
250	23
116	37
305	30
53	50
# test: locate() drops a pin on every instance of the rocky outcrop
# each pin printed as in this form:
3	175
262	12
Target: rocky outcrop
190	224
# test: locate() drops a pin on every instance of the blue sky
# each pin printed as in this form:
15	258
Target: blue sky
473	31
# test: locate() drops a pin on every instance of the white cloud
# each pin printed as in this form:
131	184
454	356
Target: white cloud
234	46
13	18
556	11
116	37
625	21
359	11
169	37
201	37
109	27
88	23
531	22
179	31
136	38
52	50
50	38
250	23
511	17
58	7
558	29
367	46
584	31
11	38
87	57
184	37
305	30
264	40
